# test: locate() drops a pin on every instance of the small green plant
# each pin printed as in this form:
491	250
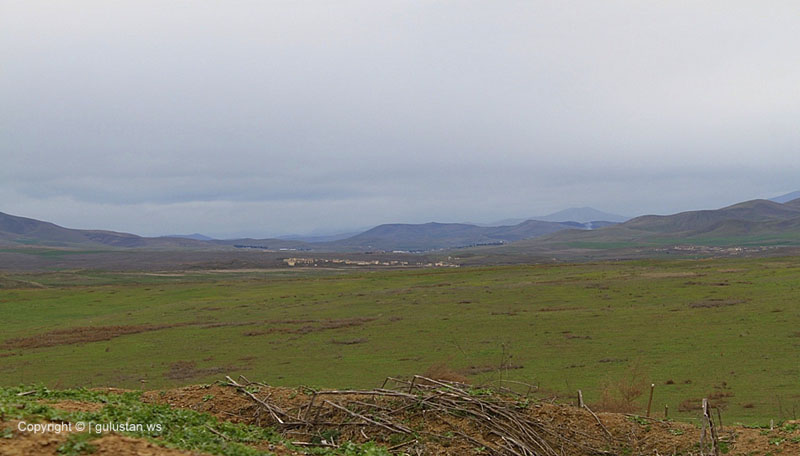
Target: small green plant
676	431
479	392
253	389
77	444
367	449
208	397
522	404
789	427
327	436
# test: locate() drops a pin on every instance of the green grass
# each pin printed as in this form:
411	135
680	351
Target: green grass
765	240
601	245
783	239
52	253
570	327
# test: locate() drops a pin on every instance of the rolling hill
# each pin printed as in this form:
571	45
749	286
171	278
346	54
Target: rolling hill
586	215
756	222
430	236
22	231
583	215
17	231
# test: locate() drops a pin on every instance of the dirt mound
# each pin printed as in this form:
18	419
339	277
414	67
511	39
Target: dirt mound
365	416
417	417
572	430
222	402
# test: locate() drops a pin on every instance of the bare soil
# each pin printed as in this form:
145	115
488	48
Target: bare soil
81	334
30	444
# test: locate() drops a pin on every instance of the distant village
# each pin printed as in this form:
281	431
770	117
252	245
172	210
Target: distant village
315	262
709	250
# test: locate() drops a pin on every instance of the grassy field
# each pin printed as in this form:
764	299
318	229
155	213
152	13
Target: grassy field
726	329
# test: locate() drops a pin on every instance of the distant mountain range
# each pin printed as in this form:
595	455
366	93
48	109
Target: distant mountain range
320	237
786	198
195	236
757	222
25	231
573	214
389	237
762	222
431	236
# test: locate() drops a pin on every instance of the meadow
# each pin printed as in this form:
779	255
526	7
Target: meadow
728	329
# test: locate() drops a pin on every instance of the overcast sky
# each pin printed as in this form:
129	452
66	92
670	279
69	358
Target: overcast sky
274	117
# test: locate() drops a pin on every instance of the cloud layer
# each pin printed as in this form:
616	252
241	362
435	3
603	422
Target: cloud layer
268	118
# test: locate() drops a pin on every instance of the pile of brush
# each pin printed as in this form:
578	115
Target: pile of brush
424	416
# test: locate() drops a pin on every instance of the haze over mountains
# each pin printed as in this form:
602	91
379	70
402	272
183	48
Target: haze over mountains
748	223
786	198
585	215
430	236
25	231
751	223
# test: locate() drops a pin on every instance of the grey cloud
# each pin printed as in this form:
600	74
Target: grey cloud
290	116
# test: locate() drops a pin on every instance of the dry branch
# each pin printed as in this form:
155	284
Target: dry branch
496	422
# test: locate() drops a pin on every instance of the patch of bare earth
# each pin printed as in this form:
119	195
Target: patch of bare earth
87	334
81	334
669	275
302	327
74	406
184	370
717	302
47	444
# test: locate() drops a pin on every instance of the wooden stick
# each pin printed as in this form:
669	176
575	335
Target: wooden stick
264	404
357	415
310	444
703	433
401	445
650	401
712	431
598	421
224	437
310	406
